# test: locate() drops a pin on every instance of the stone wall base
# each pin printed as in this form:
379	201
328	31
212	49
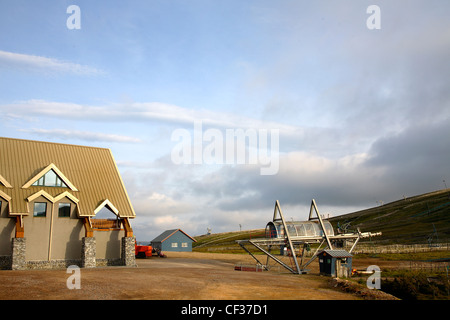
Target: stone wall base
88	252
18	246
88	256
128	251
5	263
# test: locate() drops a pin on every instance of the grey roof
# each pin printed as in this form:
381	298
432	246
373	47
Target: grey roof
168	233
338	253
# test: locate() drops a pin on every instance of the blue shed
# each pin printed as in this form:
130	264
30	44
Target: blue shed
173	240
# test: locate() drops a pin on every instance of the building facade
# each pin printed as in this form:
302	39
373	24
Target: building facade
51	196
173	240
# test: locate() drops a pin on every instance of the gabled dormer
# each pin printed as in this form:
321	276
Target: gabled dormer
50	176
50	179
4	182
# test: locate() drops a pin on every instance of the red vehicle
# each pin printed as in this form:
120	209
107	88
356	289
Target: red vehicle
142	251
146	251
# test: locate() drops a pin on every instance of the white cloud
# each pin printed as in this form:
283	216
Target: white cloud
82	135
32	63
134	111
167	221
159	204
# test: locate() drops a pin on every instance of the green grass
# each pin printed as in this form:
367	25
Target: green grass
224	242
417	285
412	220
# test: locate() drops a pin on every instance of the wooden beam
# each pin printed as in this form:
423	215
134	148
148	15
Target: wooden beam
127	227
89	233
20	230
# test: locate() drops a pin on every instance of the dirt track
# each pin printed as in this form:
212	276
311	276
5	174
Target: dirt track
181	276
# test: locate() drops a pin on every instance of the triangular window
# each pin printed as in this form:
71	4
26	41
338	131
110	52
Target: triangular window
50	179
105	213
105	217
50	176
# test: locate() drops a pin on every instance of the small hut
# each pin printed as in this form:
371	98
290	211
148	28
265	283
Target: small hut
335	263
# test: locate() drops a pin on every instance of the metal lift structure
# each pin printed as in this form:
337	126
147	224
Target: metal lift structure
291	234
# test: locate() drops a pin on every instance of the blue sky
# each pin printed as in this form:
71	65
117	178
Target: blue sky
363	115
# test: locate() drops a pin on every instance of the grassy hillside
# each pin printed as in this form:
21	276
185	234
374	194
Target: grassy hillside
417	219
224	242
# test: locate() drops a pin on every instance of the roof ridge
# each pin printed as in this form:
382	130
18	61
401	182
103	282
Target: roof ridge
56	143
